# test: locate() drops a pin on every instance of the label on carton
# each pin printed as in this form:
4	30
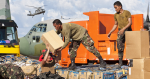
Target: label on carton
129	71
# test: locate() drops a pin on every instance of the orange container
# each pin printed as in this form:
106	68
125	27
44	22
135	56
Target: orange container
98	26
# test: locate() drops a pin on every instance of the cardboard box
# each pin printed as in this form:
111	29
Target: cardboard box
28	70
89	75
107	75
138	74
97	75
58	71
64	73
73	75
53	40
142	64
83	74
70	75
137	44
32	70
39	70
120	73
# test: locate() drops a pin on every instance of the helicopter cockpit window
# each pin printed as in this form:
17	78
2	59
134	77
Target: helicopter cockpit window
30	33
45	24
33	28
34	39
36	29
37	38
39	29
41	25
44	29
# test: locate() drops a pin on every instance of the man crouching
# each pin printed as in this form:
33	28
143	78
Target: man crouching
48	61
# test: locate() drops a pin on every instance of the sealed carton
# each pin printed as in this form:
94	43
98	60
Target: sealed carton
64	73
28	70
58	71
120	73
70	75
38	67
89	75
83	74
142	64
137	44
54	41
138	74
73	75
107	75
32	69
96	75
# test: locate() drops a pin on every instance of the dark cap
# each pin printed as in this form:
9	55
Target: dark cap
44	53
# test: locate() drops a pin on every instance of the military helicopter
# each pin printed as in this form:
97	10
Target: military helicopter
38	11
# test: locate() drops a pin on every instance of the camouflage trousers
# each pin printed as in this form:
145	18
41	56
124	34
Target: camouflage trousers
88	44
121	42
11	71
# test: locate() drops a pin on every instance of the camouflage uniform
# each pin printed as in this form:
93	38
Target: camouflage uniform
87	42
121	42
11	71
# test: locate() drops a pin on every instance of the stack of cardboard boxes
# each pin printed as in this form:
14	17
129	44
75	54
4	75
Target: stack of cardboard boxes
137	48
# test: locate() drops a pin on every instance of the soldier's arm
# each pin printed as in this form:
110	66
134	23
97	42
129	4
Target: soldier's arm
114	27
45	57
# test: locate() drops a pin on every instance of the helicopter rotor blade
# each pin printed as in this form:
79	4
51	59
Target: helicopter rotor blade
32	6
43	6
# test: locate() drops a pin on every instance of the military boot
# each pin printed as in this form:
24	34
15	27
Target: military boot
73	65
102	62
120	63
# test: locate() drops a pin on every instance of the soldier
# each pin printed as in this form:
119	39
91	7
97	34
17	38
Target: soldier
11	71
78	34
123	21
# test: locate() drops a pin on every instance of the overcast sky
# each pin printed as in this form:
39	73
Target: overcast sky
67	9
